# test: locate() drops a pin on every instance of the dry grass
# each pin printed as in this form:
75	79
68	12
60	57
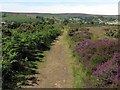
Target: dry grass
99	32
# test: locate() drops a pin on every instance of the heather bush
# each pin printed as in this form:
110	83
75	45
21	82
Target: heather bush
109	72
97	52
79	34
101	59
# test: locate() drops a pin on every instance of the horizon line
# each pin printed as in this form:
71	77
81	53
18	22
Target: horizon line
56	13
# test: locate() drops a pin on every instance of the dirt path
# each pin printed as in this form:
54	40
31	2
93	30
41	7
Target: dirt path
56	72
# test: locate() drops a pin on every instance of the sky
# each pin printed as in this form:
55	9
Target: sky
105	7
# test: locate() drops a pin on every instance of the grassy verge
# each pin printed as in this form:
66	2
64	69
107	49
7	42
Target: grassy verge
81	75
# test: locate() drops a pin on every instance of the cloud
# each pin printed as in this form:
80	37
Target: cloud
59	0
105	9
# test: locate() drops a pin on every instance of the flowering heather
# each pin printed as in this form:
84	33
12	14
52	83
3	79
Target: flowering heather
83	44
101	57
88	43
116	78
111	64
110	70
97	52
81	34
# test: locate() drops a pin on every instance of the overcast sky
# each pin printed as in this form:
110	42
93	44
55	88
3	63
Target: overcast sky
106	7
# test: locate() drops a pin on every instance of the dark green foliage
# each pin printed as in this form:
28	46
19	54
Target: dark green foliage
40	20
113	33
4	15
65	22
21	48
13	25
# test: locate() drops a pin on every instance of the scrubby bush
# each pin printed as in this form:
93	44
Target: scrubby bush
113	33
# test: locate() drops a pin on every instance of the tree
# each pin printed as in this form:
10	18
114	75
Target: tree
65	22
40	19
4	15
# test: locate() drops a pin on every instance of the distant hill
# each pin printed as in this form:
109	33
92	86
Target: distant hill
80	17
61	14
